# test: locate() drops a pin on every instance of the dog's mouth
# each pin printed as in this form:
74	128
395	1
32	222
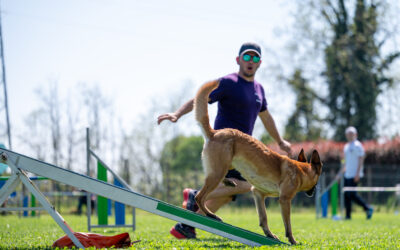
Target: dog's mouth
311	192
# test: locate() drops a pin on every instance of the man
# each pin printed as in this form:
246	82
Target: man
240	100
353	170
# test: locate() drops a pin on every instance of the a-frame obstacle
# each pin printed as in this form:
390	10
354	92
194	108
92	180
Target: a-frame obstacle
20	163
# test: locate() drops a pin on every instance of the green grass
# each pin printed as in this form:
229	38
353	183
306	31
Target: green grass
382	232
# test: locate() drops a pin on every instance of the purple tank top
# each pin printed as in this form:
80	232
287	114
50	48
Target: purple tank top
239	103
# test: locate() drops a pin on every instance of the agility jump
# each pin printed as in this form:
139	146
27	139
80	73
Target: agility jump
20	163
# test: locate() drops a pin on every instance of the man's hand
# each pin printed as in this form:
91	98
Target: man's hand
357	178
168	116
285	146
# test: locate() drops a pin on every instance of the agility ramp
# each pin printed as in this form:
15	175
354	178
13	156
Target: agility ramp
20	163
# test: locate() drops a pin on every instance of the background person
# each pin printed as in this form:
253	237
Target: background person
353	170
240	100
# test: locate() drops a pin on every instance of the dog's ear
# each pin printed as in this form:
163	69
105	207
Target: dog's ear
316	162
302	156
315	157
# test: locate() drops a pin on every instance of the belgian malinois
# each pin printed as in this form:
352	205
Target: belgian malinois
271	174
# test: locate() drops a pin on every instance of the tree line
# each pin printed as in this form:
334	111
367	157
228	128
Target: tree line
339	69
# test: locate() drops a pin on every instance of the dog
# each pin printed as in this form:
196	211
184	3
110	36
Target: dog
269	173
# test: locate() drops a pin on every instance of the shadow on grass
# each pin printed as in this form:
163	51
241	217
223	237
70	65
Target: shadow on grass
37	247
210	243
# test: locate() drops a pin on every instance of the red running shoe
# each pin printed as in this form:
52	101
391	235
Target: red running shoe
182	231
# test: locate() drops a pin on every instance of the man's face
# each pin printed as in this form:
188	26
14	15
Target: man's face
351	136
248	68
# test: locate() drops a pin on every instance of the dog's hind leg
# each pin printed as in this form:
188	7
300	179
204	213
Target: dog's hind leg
259	199
216	172
211	182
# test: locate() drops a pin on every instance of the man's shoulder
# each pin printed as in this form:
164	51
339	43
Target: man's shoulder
357	143
354	144
233	77
258	85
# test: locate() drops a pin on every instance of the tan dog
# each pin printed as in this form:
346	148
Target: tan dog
270	174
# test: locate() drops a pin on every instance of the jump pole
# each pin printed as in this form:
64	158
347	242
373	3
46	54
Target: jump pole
334	198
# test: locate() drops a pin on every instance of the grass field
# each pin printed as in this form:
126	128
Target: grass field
382	232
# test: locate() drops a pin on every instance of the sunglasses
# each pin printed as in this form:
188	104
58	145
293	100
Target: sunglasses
247	58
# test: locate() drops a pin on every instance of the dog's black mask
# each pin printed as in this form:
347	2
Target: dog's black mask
311	192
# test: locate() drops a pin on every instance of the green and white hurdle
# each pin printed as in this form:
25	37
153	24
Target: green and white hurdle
336	191
103	203
20	163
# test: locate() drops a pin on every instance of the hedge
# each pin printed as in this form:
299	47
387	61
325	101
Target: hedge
381	152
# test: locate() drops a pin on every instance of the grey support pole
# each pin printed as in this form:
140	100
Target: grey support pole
3	67
88	195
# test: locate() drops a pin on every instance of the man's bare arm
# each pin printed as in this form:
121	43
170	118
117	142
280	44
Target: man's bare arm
360	164
270	126
174	117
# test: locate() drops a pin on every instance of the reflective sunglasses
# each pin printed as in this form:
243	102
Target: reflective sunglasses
247	58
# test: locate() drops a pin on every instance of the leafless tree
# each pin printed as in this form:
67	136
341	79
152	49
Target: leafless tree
143	145
34	135
95	103
73	132
51	107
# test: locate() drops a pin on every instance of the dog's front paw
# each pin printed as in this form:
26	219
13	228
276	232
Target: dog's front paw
292	241
271	235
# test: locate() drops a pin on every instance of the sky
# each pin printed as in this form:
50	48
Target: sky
138	51
133	50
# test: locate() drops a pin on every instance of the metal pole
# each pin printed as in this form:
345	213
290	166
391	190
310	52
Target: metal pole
3	67
342	196
88	195
317	200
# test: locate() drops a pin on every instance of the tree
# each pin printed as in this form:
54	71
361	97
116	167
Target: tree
355	68
96	103
354	42
51	108
179	157
182	154
32	137
72	132
301	125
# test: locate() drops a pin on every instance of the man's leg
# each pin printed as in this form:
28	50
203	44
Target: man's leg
225	194
347	198
215	204
357	199
353	196
223	191
215	200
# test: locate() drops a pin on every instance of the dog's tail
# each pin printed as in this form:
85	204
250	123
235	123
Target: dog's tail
201	107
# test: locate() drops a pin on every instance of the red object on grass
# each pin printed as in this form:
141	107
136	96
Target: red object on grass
95	240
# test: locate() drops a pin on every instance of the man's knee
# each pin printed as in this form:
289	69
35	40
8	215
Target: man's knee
242	186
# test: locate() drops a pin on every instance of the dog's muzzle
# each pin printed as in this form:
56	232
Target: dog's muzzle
311	192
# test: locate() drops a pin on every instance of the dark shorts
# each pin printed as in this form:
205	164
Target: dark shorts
233	173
